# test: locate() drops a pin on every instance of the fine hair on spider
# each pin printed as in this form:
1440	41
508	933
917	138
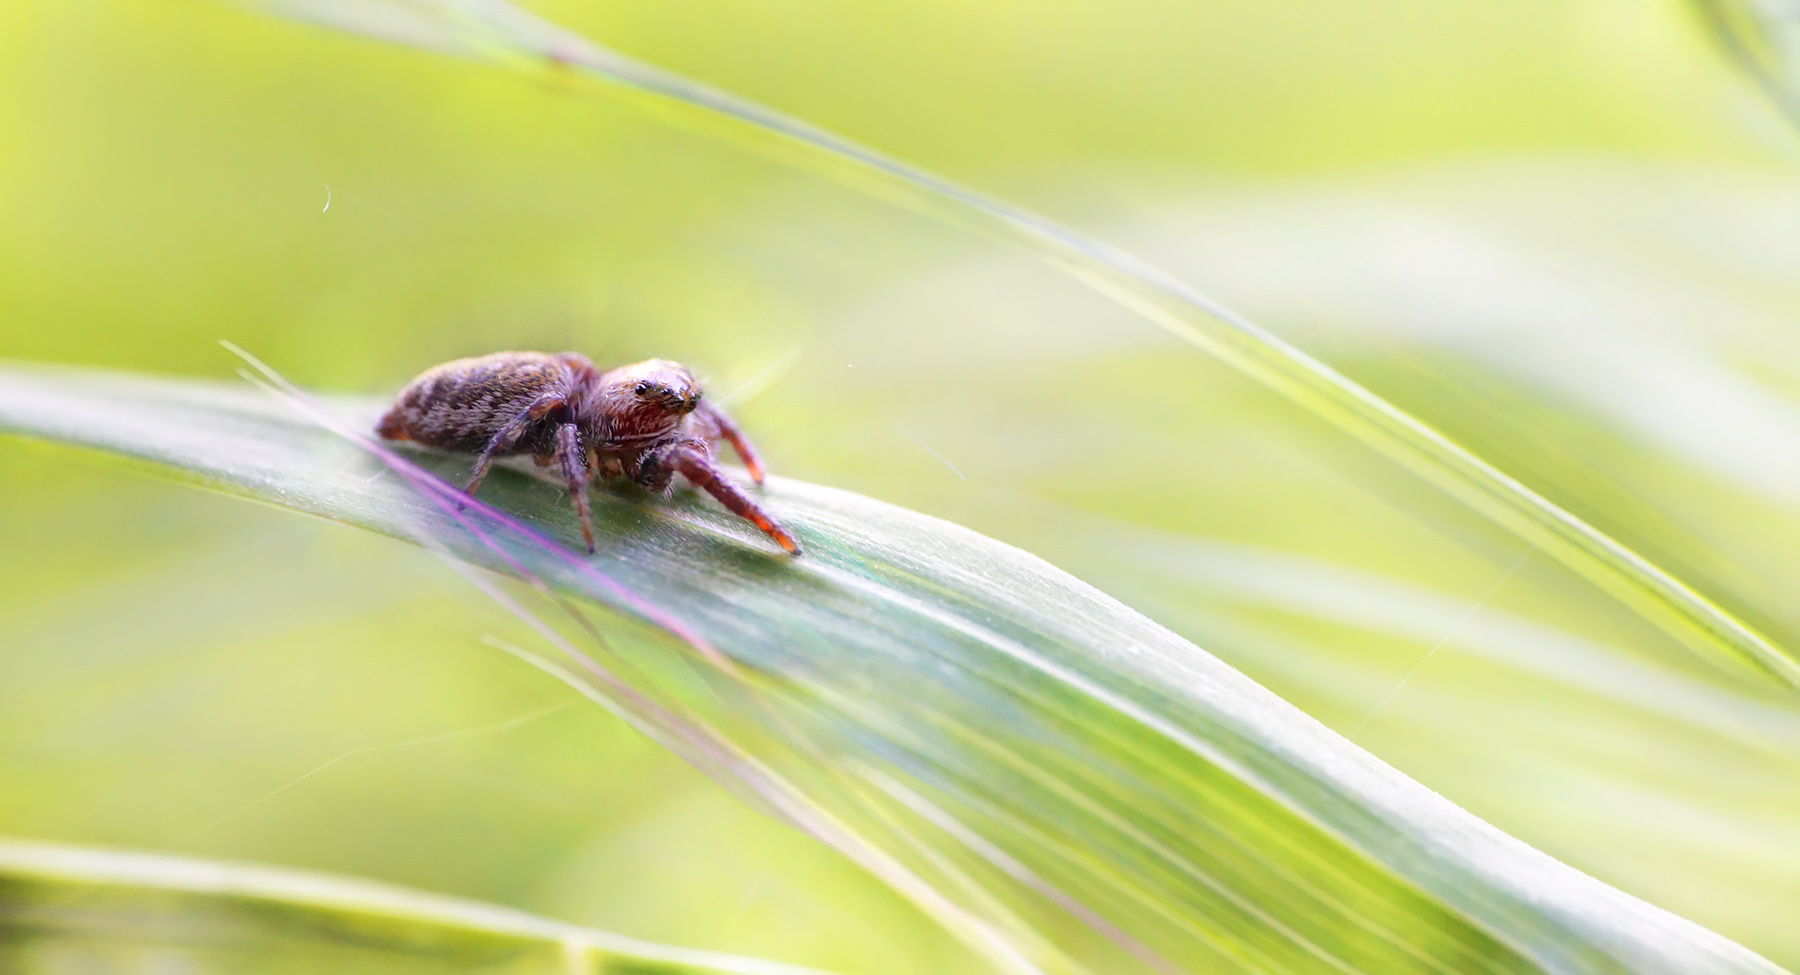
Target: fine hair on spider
646	422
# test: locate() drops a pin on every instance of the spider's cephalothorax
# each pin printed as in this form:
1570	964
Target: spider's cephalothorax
644	421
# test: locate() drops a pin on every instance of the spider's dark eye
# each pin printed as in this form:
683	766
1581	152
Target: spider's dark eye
643	388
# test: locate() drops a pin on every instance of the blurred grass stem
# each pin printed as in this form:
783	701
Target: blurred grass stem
507	35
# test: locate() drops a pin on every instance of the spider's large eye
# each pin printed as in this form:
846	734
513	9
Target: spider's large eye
643	389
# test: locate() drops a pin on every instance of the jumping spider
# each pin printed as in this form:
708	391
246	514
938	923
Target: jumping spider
642	421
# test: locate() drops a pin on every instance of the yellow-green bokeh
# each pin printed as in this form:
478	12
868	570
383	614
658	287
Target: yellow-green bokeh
170	656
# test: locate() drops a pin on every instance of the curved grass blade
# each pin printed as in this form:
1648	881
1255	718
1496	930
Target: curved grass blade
501	33
68	908
1011	748
692	738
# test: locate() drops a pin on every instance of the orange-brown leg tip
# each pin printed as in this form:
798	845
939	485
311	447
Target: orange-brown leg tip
778	533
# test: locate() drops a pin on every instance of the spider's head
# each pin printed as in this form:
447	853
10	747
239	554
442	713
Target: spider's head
656	386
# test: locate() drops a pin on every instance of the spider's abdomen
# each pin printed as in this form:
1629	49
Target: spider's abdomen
460	405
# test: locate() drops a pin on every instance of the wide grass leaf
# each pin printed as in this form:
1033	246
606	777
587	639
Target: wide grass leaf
1063	783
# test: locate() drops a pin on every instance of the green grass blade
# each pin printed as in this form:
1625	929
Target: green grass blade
1063	783
65	908
1764	38
504	34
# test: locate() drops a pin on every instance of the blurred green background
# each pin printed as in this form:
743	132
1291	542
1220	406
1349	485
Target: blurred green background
1565	233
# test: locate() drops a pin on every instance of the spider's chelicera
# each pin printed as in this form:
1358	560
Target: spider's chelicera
644	421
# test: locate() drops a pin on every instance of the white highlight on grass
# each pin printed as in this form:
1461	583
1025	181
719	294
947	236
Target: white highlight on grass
327	199
499	726
914	438
1508	574
1649	351
769	376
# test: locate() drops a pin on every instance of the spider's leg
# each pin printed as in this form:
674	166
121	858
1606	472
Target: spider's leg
575	472
732	435
692	460
508	435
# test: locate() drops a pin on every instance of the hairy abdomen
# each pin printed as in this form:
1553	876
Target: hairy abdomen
460	405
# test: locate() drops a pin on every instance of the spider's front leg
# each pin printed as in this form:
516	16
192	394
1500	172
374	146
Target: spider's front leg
694	461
